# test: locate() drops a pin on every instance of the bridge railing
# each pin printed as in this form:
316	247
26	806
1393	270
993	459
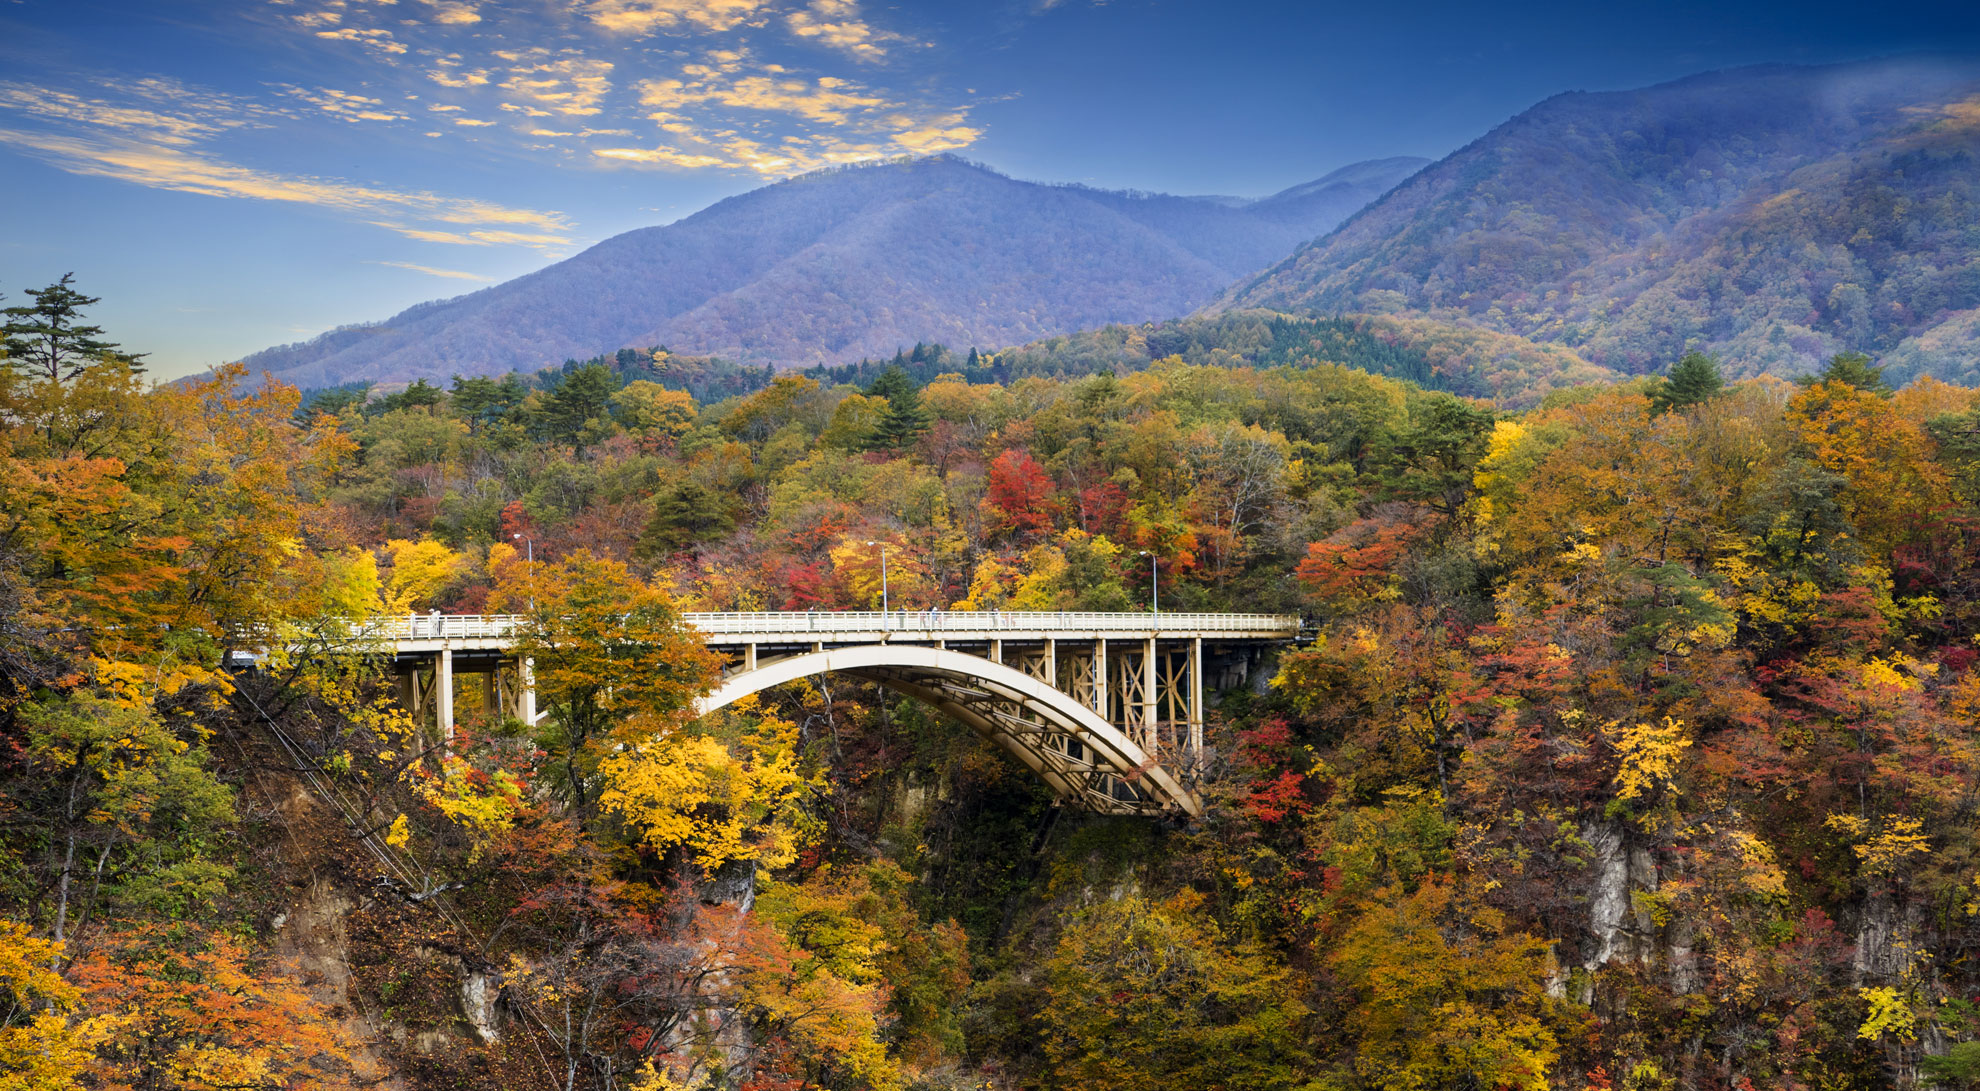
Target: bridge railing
939	621
405	627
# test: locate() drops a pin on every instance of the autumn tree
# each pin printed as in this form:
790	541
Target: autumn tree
43	1047
715	795
182	1008
613	662
1891	485
657	416
1430	1012
131	807
1148	994
1019	499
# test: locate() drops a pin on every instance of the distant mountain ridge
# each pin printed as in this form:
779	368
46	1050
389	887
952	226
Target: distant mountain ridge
1774	215
837	265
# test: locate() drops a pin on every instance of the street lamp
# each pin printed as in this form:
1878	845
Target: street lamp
529	545
883	574
1154	583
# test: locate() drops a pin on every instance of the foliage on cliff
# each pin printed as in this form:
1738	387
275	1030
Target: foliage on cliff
1634	746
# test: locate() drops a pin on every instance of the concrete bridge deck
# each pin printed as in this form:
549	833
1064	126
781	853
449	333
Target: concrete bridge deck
425	633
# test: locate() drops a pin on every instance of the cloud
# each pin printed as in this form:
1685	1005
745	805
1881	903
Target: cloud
62	106
342	104
931	139
645	17
836	23
454	12
723	106
449	274
164	166
484	237
826	99
443	74
375	38
572	85
726	110
672	157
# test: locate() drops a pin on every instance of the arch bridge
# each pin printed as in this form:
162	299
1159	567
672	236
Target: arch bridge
1107	708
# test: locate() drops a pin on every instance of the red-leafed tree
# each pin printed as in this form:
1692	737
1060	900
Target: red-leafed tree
1018	499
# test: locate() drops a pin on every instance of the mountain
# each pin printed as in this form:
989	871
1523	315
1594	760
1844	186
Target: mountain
1774	215
854	262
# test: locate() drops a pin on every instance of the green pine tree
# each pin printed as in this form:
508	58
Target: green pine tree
584	397
1693	379
345	401
1853	368
44	338
683	515
905	418
420	395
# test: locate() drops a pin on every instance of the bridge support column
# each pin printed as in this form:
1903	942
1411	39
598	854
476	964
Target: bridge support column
1051	662
1196	699
443	693
1150	699
1100	678
526	691
749	656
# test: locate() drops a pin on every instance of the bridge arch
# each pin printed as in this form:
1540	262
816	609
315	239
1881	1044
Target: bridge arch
1083	757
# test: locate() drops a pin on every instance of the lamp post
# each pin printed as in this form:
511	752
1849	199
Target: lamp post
529	545
883	574
1154	583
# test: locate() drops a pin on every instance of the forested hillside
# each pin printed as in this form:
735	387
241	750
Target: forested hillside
854	262
1773	215
1438	354
1636	745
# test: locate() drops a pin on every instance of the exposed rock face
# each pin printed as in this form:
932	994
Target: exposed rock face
479	991
311	945
1886	939
1618	927
1621	923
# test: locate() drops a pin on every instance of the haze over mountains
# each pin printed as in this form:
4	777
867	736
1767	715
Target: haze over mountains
1772	215
834	266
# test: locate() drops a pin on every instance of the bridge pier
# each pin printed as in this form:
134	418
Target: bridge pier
443	690
1196	695
426	681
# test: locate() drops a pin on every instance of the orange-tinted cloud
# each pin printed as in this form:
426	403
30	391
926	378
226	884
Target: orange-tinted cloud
164	166
448	274
643	17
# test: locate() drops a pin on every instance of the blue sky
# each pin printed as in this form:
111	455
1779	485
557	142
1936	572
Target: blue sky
230	174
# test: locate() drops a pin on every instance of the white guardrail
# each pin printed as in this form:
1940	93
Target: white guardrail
502	626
